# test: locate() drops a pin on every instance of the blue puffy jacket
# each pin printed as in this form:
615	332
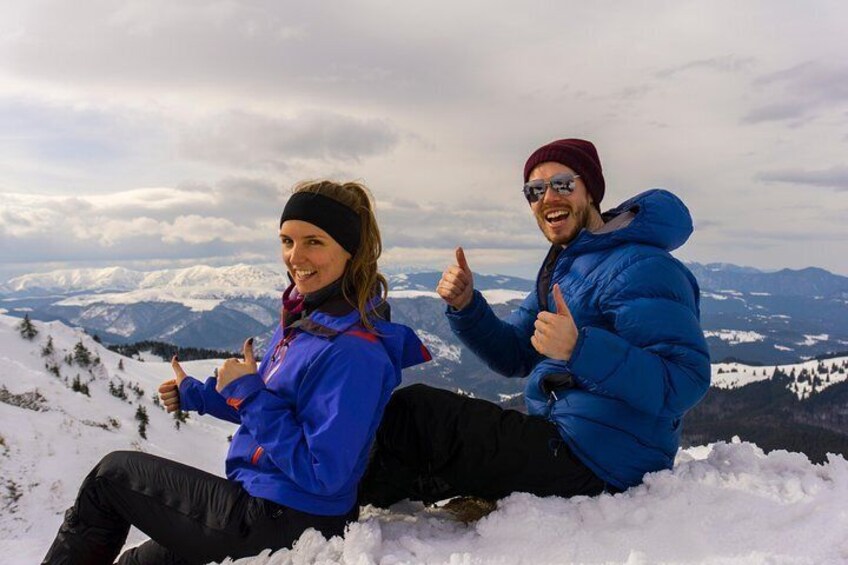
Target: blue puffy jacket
310	414
640	361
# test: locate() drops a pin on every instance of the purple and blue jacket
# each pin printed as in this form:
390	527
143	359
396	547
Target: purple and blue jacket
309	415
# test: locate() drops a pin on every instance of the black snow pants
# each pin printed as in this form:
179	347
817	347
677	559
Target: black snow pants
433	444
191	516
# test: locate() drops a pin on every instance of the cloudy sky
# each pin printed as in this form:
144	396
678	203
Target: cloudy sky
156	133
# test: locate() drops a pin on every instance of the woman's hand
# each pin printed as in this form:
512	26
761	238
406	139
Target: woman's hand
169	392
233	368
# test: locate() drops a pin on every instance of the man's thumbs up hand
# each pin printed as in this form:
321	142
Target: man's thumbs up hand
556	334
456	286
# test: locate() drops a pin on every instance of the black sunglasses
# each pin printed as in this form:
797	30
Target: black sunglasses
562	183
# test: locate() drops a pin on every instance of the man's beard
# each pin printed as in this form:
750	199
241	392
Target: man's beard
578	219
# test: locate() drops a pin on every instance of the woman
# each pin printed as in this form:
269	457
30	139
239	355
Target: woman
308	412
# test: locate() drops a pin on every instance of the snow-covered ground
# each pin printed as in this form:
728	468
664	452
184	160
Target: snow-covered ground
721	504
734	337
805	376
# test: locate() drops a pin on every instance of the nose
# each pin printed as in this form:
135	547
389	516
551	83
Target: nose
550	194
294	254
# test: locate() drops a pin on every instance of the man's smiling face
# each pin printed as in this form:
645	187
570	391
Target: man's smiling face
561	217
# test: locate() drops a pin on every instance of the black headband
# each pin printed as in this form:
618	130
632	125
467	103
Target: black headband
342	223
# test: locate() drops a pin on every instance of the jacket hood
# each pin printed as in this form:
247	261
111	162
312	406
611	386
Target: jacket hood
655	217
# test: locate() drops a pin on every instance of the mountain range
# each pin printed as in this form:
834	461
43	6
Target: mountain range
747	315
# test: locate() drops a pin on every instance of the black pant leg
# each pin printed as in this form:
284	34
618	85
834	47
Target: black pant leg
433	444
191	516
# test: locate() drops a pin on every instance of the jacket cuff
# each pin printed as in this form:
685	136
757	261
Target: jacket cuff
186	388
596	356
241	389
461	320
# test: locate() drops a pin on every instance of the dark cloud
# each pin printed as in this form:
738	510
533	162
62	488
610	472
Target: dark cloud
251	140
835	177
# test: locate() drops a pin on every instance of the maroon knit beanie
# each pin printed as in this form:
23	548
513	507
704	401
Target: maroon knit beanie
577	154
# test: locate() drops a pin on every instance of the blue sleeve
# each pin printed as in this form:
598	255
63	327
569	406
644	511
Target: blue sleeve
657	359
318	442
504	345
204	399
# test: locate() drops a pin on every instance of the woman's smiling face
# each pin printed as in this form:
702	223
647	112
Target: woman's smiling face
312	257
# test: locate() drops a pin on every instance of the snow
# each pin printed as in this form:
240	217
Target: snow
498	296
412	294
812	339
783	348
735	337
493	296
137	296
725	503
126	280
438	348
735	375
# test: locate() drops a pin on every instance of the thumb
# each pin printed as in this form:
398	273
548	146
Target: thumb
179	373
561	306
247	350
462	261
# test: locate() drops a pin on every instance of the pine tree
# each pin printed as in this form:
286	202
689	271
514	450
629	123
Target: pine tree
78	386
143	420
82	356
48	347
27	328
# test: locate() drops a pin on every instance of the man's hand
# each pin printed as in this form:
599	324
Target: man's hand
457	284
233	368
556	334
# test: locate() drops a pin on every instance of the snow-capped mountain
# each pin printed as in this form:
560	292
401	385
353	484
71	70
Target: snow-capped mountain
747	315
722	503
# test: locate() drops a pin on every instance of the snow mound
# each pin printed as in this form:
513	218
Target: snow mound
723	503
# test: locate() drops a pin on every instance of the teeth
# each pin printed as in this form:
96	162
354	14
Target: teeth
556	215
303	274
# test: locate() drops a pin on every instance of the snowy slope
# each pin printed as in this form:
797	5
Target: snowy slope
724	503
44	455
828	373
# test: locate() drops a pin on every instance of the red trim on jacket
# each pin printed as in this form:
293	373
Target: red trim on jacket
368	336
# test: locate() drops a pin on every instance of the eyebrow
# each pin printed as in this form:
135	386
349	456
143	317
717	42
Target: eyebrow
315	236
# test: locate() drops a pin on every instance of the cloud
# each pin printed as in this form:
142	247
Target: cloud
233	216
834	177
251	140
724	64
805	90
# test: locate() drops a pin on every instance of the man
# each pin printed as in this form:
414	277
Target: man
610	339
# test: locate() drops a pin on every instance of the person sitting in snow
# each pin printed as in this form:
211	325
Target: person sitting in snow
308	413
610	339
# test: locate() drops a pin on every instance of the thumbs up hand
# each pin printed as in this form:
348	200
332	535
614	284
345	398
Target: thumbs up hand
456	286
169	393
556	334
233	368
